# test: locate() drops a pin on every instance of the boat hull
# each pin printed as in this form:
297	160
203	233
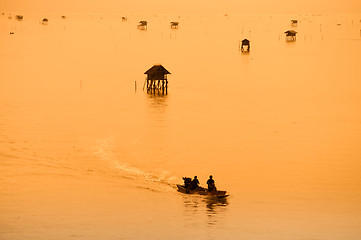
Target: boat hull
201	191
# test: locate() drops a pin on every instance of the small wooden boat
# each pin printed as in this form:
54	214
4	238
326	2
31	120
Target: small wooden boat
201	191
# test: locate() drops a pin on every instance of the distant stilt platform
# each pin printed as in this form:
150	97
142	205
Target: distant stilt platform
245	46
143	25
156	81
291	35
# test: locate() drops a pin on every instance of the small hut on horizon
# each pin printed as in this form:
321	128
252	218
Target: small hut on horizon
245	45
174	25
294	23
291	35
45	21
156	80
143	25
19	17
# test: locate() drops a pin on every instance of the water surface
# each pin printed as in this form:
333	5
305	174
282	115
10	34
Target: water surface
87	155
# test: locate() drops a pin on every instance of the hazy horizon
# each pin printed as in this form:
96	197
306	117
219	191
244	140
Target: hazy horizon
187	6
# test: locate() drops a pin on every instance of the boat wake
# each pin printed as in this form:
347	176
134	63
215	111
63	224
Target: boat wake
156	180
161	182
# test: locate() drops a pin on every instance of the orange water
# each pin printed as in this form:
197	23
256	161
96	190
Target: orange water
86	154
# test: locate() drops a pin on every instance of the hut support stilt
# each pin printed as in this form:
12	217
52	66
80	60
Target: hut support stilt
157	86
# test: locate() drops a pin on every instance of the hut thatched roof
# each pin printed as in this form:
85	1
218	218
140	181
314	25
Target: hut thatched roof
245	41
157	69
291	32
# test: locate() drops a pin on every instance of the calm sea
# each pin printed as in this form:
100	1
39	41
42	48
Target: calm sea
86	154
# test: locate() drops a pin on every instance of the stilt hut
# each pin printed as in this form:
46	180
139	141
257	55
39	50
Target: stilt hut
245	46
45	21
19	17
294	23
156	80
291	35
174	25
143	25
124	19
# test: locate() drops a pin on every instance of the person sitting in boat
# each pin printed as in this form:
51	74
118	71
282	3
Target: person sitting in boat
195	183
187	182
211	184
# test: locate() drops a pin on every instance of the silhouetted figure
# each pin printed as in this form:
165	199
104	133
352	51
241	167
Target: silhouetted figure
195	183
187	182
211	184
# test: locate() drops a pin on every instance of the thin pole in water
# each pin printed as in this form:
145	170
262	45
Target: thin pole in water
135	85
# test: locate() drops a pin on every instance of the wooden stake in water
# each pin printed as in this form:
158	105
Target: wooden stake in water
135	85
